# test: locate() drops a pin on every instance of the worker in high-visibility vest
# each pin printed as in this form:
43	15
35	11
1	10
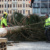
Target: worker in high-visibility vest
30	2
47	27
4	20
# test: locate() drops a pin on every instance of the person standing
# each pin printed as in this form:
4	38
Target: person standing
4	20
47	27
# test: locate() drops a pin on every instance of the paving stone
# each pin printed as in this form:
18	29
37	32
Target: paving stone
30	46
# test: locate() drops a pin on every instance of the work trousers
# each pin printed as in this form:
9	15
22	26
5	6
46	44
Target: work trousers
47	33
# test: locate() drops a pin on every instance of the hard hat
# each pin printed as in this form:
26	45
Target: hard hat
5	13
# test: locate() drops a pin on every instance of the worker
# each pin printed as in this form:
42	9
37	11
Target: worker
31	2
47	27
4	20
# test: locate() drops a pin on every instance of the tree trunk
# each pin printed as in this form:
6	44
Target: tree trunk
6	30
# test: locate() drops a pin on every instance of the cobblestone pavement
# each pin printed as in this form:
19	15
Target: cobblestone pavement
30	46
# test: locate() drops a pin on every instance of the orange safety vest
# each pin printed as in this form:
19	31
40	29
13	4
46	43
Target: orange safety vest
30	1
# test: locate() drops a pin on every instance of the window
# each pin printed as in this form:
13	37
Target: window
49	10
8	5
0	6
26	5
10	11
36	5
37	0
5	5
23	5
10	0
44	5
5	10
44	10
26	0
28	11
13	10
20	5
5	0
20	0
13	5
49	5
20	11
23	0
13	0
44	0
16	5
36	10
0	0
23	11
0	11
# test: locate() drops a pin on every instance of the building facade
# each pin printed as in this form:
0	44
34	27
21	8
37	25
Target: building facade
41	7
21	6
10	6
